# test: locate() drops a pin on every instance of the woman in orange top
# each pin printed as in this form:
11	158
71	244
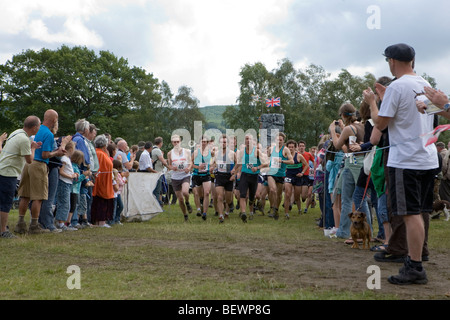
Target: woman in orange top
103	193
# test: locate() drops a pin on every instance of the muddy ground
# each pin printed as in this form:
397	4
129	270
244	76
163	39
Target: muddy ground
331	265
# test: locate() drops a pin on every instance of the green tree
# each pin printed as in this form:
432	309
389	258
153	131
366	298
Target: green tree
185	110
77	83
255	81
310	99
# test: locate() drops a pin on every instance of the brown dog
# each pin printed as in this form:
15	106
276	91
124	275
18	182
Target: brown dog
359	229
441	206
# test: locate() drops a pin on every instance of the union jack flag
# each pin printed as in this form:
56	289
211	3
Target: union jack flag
273	102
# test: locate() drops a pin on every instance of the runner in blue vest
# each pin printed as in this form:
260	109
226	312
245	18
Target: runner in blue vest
292	182
250	161
201	177
279	158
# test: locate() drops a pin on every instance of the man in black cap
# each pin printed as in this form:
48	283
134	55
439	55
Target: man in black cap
410	164
400	52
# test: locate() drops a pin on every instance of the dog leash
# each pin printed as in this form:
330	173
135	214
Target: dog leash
365	191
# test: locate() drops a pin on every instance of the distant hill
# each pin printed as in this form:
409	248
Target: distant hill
213	116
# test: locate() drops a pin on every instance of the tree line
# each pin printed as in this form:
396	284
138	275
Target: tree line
129	102
119	99
310	97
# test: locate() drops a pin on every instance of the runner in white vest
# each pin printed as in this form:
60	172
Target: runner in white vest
180	163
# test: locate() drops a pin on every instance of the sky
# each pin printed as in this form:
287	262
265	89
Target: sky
203	44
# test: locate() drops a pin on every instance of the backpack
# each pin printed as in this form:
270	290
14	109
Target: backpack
157	159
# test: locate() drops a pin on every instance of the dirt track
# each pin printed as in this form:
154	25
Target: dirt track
331	264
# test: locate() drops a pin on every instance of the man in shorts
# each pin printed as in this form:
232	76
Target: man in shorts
224	168
279	158
18	150
34	182
201	176
292	181
411	164
306	182
250	161
179	160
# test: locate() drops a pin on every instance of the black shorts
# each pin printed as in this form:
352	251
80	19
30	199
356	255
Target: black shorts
223	180
261	179
294	180
8	186
277	179
411	191
197	180
249	182
306	181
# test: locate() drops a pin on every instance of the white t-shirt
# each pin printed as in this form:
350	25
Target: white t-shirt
68	169
145	161
406	124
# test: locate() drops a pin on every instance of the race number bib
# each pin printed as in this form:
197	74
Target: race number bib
180	164
275	163
221	166
203	170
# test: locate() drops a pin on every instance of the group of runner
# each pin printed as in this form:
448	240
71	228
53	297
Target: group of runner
248	172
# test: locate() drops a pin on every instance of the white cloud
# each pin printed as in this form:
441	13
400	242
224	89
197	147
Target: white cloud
28	18
205	43
73	32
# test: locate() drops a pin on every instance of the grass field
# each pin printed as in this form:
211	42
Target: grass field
168	259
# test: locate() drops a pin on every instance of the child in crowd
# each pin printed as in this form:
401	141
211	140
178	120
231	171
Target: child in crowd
66	177
115	183
121	180
77	159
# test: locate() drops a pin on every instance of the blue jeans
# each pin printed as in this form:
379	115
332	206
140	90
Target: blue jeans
157	190
362	205
350	194
111	222
327	210
46	218
119	208
63	200
382	215
81	205
89	199
326	206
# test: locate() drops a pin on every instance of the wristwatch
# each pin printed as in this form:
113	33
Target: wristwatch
447	107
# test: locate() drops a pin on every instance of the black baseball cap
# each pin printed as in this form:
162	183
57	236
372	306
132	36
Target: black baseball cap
401	52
